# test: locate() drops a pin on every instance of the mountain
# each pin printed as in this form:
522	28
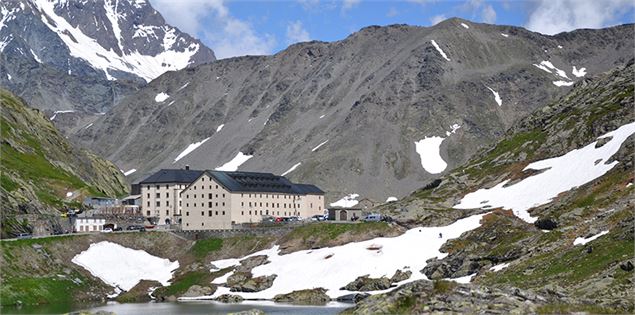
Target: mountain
352	115
84	56
42	173
558	190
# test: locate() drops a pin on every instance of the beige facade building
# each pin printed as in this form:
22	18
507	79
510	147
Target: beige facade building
217	200
160	194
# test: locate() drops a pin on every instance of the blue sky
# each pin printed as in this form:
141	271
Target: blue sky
235	28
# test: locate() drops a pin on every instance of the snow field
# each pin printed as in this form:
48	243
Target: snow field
189	149
236	162
583	241
334	267
440	50
123	267
560	174
346	201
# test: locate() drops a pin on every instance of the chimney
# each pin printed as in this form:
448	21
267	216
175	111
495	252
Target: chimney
187	167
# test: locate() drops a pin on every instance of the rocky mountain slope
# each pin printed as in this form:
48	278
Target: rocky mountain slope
574	251
42	172
352	116
84	56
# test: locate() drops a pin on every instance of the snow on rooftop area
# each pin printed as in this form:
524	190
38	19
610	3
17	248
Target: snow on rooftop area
563	83
334	267
559	174
124	267
60	112
126	173
319	145
219	128
465	25
439	50
497	97
429	149
578	72
391	199
189	149
499	267
291	169
84	47
583	241
346	201
236	162
161	97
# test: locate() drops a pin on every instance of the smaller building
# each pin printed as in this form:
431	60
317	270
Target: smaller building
340	214
100	202
89	224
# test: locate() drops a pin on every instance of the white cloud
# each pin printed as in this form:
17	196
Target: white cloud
437	19
309	5
552	17
296	33
227	35
488	15
349	4
392	12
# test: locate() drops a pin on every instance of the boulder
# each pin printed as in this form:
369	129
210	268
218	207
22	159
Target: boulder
197	290
253	284
400	276
238	277
546	224
365	283
352	298
250	263
229	298
627	266
310	296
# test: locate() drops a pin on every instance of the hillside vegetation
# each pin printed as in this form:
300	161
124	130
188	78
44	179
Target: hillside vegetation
42	172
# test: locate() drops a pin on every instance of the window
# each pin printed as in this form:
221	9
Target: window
157	187
148	203
216	195
242	212
210	213
179	203
266	204
249	212
223	195
195	204
311	205
209	204
242	204
284	205
167	195
250	204
216	212
249	195
187	213
148	195
194	195
158	195
187	196
277	205
223	204
167	212
202	213
187	224
167	203
216	186
217	204
202	223
267	212
210	196
148	213
187	204
261	204
210	186
202	179
166	187
223	212
241	195
260	212
158	203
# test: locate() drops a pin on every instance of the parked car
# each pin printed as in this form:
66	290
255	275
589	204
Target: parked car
117	229
135	227
106	230
372	218
279	219
23	236
317	217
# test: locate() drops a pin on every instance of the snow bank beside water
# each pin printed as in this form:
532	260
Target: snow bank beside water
334	267
124	267
560	174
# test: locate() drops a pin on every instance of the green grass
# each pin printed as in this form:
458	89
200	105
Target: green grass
203	247
443	286
403	305
569	309
40	290
8	184
182	283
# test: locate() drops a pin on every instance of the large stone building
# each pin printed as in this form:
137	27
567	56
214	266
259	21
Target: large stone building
160	194
217	200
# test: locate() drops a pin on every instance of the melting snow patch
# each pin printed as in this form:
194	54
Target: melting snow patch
123	267
429	149
582	240
88	126
466	279
629	184
346	201
319	145
161	97
291	169
499	267
391	199
339	269
579	72
129	172
35	56
465	25
504	35
184	86
233	165
560	174
321	116
497	97
60	112
547	65
189	149
220	127
559	46
439	50
69	194
563	83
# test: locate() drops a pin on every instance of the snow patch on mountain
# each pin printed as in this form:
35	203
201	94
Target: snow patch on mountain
579	72
236	162
465	25
126	173
219	128
291	169
346	201
563	83
189	149
497	97
583	241
123	267
331	267
504	35
319	145
161	97
60	112
391	199
499	267
559	174
429	149
440	50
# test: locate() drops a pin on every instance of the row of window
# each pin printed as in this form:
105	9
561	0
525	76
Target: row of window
187	213
167	186
209	204
202	195
158	203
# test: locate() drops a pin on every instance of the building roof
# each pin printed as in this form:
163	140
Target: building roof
172	176
308	189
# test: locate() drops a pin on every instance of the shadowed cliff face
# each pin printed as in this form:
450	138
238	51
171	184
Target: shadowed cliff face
372	96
